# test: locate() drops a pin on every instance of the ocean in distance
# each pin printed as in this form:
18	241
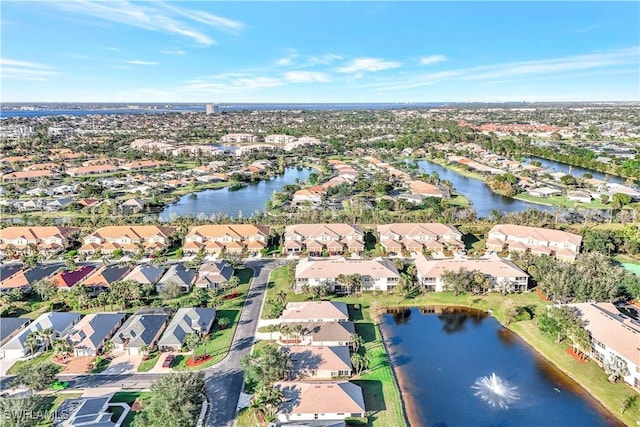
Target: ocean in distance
9	110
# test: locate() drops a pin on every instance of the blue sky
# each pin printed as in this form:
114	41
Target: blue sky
175	51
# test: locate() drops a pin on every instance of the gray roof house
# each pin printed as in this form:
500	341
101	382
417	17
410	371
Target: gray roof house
177	273
186	321
146	274
10	327
86	411
321	334
143	328
89	335
59	322
8	270
212	274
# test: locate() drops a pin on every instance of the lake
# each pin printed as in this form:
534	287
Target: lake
242	202
483	199
553	166
439	356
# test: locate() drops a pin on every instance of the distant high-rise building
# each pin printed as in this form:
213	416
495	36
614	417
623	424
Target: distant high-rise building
212	109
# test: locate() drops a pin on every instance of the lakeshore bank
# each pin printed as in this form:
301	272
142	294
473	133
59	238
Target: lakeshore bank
589	378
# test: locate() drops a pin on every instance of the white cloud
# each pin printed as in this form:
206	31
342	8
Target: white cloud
426	60
24	70
141	62
174	52
368	64
305	77
145	15
324	59
231	82
284	61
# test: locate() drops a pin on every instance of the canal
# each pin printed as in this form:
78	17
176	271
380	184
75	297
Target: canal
445	357
242	202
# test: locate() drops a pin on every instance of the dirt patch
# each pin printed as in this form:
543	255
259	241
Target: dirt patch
579	357
78	365
200	361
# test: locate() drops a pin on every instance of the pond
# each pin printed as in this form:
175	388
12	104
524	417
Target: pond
242	202
482	198
553	166
441	354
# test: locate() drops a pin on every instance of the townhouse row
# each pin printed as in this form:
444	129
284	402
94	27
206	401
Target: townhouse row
140	333
312	239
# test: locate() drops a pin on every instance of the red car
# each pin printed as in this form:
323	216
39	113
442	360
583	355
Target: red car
168	361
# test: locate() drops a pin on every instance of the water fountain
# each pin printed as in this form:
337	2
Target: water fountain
496	391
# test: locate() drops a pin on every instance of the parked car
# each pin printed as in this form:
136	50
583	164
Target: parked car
59	385
168	361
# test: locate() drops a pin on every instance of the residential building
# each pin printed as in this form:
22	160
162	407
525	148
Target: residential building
46	240
613	335
333	400
68	279
315	311
186	321
502	274
540	241
306	197
23	279
10	327
579	196
215	238
180	275
316	238
212	274
376	274
279	139
329	334
140	331
128	239
88	336
239	138
29	175
426	190
92	170
145	274
419	237
319	362
59	323
87	411
8	270
105	276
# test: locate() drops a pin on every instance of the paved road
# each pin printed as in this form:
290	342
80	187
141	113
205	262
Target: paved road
223	381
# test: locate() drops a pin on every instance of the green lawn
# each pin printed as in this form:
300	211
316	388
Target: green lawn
129	397
44	357
249	417
101	364
147	365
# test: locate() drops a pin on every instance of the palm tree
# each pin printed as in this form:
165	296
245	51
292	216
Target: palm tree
107	348
299	331
357	341
46	334
144	351
191	342
31	341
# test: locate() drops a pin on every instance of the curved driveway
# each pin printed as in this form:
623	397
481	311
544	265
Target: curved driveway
223	381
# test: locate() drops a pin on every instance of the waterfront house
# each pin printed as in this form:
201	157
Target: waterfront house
315	238
614	335
59	323
328	334
128	239
47	240
143	329
212	274
579	196
89	335
326	401
560	244
376	274
315	311
215	238
319	362
544	192
424	189
186	321
418	237
501	274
